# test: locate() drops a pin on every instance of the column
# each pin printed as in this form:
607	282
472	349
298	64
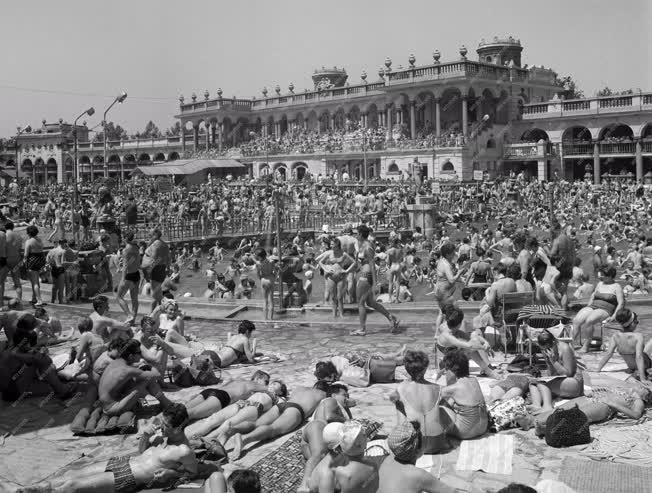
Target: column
596	163
399	115
365	122
213	131
465	115
195	138
388	121
61	171
209	134
331	122
277	130
437	117
478	109
542	169
183	137
220	136
639	162
413	119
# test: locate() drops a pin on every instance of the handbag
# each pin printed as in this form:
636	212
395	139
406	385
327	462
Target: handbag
567	427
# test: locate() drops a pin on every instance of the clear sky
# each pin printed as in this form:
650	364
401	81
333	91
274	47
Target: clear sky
61	57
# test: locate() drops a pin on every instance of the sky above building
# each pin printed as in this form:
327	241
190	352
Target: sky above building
63	57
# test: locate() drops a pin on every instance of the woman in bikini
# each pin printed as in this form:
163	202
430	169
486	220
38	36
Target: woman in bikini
336	265
562	364
418	400
366	284
35	261
605	302
631	346
446	279
395	262
266	272
171	319
464	411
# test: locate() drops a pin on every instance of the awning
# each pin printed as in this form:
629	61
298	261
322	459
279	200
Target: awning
187	166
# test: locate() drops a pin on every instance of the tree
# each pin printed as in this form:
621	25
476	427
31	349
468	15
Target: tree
604	92
151	131
174	130
570	90
113	133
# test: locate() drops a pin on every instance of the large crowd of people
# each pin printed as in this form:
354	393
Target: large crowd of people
582	262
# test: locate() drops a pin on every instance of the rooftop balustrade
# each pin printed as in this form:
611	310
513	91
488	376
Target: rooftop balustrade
589	106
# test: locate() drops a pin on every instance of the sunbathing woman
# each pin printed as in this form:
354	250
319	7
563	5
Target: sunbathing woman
336	265
169	317
418	400
212	400
631	346
249	409
562	363
607	300
464	412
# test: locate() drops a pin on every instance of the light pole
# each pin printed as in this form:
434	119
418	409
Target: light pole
75	196
364	158
27	128
119	99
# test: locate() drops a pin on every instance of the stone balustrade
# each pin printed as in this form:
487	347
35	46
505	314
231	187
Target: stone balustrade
589	106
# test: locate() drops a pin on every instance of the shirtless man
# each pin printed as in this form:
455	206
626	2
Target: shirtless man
349	246
4	270
398	471
122	386
395	262
156	466
107	328
13	245
631	346
212	400
156	260
330	410
130	278
281	419
351	471
89	347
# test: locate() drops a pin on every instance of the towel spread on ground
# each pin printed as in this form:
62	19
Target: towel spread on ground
627	444
587	476
492	454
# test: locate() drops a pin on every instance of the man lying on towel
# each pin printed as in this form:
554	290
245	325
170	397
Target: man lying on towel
159	466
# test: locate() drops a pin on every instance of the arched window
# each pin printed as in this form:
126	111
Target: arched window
488	59
392	168
491	144
447	167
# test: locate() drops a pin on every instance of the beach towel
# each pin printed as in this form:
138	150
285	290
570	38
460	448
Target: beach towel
627	444
587	476
492	454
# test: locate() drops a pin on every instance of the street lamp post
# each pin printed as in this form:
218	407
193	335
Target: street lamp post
27	128
75	197
364	158
119	99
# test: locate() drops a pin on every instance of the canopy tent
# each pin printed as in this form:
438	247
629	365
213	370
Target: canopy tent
187	166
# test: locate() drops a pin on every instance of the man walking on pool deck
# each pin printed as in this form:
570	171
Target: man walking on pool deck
130	278
280	420
156	261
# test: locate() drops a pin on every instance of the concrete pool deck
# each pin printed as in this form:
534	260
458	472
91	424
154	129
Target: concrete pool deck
45	423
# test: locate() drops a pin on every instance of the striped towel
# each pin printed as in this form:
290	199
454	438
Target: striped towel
492	454
534	310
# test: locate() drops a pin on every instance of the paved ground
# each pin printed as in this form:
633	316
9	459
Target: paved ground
301	345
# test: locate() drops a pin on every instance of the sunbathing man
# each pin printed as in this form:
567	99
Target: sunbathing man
156	466
280	419
249	409
398	471
361	368
210	401
104	326
165	429
332	409
631	346
351	471
122	385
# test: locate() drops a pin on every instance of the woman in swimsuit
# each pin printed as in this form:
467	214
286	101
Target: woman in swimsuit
418	400
249	409
58	232
171	319
366	284
607	300
336	265
445	285
631	346
395	261
464	411
562	364
266	272
35	261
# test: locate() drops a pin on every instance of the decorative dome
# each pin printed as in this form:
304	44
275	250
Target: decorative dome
219	92
381	72
463	52
388	63
277	89
412	59
436	55
206	94
500	51
326	78
363	75
291	87
194	97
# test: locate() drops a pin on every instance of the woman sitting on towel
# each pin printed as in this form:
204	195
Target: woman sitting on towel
607	300
418	400
464	411
567	381
602	405
631	346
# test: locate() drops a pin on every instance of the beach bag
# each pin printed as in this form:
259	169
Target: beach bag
567	427
382	370
201	371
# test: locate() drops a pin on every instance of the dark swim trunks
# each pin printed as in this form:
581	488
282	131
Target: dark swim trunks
159	273
123	476
287	405
221	395
133	277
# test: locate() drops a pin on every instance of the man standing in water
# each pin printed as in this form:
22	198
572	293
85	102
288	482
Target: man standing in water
130	278
349	246
156	260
